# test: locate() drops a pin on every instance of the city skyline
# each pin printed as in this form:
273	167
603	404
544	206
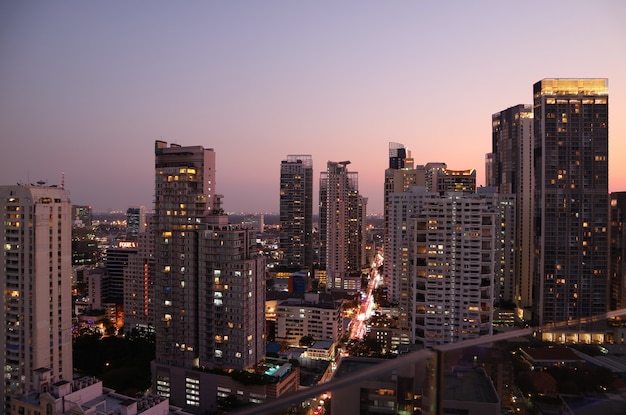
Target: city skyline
88	88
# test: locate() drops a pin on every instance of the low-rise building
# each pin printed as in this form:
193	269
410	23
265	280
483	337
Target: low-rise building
321	350
539	357
85	395
384	393
469	391
296	318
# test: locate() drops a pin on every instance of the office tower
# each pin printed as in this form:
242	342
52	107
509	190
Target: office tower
454	247
571	198
617	233
81	215
36	282
209	281
135	222
296	211
512	173
342	219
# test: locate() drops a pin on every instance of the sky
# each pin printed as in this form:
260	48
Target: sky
87	87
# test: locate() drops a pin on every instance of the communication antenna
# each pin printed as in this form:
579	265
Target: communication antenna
62	180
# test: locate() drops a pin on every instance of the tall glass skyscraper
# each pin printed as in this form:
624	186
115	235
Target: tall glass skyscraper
571	198
296	211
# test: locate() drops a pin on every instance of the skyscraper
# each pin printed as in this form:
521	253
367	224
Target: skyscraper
399	176
512	173
454	248
342	219
571	198
36	276
296	211
209	281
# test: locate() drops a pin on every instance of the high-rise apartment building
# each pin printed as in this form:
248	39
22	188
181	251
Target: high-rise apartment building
342	222
454	245
511	172
209	281
400	175
296	211
403	207
571	198
139	284
36	275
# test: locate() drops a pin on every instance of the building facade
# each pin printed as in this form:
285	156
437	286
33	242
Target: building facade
511	172
209	280
139	284
85	395
296	318
400	176
449	180
454	246
36	277
296	211
116	263
342	221
82	215
617	274
135	222
571	199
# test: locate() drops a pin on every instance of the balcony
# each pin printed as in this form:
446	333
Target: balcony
423	381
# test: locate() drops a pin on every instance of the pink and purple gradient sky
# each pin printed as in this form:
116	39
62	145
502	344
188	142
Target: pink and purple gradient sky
87	87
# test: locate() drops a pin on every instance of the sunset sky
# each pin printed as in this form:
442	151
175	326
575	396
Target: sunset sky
87	87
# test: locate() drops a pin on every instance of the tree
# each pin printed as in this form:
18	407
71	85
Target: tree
307	341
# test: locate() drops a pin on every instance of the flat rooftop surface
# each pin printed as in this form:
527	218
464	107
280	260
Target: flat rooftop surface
468	384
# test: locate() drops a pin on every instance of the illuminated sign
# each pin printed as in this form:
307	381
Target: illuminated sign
127	244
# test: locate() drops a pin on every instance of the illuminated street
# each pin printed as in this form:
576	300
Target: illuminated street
367	305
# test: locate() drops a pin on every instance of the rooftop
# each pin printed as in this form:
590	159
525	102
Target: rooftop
469	385
551	354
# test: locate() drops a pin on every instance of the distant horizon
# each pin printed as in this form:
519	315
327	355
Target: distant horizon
123	212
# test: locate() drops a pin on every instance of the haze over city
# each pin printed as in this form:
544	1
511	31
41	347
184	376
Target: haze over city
86	88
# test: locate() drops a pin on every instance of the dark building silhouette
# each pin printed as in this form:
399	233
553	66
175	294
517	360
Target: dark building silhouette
296	211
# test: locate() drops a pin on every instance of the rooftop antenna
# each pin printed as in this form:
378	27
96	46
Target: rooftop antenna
62	180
